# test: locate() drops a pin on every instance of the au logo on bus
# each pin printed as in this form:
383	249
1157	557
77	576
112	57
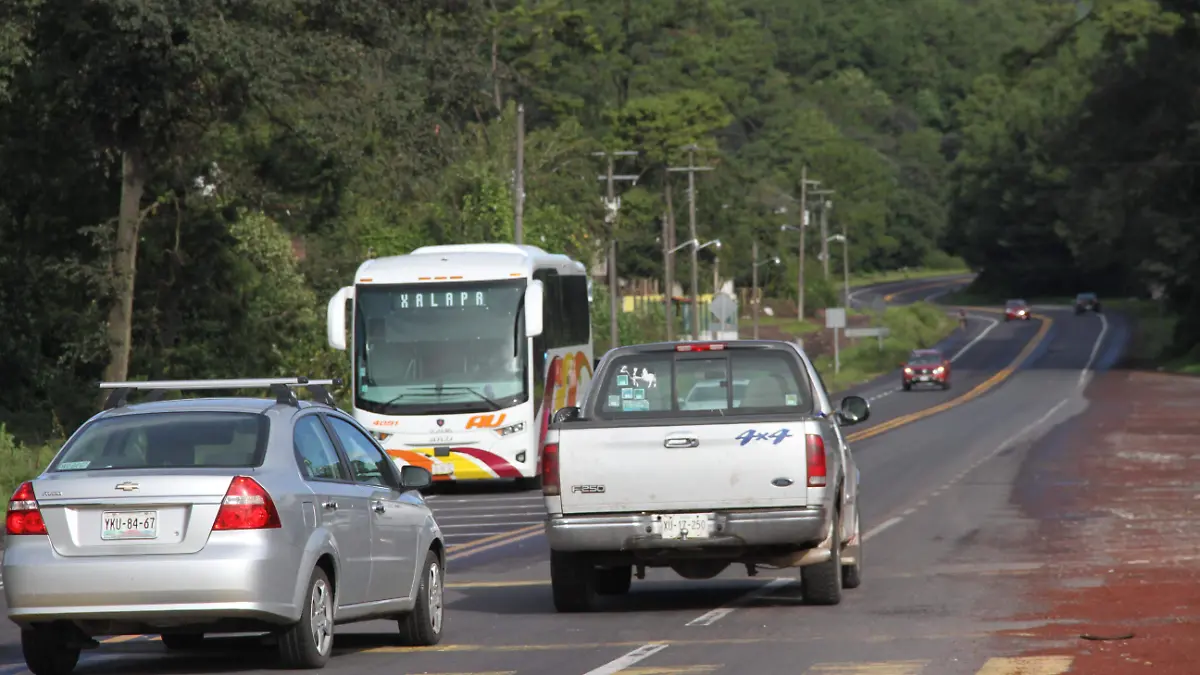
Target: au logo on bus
485	421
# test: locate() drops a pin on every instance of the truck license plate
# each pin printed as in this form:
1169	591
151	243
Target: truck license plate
686	525
119	525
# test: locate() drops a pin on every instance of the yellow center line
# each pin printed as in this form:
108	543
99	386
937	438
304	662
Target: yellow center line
457	548
944	282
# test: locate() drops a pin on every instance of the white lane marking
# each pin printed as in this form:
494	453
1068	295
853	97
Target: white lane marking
881	527
484	499
481	516
639	654
514	523
977	338
514	507
963	474
713	616
1086	373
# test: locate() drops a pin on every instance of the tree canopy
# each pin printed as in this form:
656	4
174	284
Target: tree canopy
186	181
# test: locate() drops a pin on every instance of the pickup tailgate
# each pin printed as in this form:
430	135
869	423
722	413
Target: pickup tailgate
682	467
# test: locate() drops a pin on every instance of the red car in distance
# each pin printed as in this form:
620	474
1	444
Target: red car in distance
926	366
1017	309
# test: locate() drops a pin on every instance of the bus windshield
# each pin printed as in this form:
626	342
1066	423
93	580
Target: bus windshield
425	349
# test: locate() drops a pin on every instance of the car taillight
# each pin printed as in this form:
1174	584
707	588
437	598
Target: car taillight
711	347
24	516
246	506
550	482
816	460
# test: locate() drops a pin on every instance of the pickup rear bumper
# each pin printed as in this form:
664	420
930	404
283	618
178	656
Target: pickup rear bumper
640	531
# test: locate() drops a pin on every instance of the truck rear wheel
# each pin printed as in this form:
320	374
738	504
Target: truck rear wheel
573	581
821	584
614	580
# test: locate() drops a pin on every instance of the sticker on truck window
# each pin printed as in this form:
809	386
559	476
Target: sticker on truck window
791	399
627	393
614	400
639	394
622	380
635	406
752	436
644	379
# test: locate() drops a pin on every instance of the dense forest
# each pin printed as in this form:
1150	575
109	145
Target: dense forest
183	183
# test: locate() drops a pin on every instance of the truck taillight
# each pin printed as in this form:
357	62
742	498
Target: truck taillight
24	516
815	446
550	483
246	506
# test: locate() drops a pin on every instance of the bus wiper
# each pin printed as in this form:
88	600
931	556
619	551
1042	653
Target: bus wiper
461	387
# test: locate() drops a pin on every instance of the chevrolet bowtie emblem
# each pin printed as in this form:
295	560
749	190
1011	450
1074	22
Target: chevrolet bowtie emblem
127	487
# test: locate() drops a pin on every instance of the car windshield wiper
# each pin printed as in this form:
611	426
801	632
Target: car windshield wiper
438	388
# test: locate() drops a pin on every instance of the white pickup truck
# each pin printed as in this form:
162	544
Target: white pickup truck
637	477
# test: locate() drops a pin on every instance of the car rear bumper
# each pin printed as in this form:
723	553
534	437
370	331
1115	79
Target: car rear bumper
639	531
229	579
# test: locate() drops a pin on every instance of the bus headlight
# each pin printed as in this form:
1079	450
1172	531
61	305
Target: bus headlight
511	429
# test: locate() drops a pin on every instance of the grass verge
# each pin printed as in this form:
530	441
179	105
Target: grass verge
858	280
20	462
910	327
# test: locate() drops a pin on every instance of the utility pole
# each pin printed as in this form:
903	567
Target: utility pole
519	183
754	283
691	169
613	204
668	239
825	204
846	263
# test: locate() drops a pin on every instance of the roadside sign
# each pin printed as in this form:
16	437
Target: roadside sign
723	314
866	332
835	317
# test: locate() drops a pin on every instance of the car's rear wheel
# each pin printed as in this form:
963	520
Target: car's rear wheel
422	627
821	584
573	581
182	641
47	651
308	643
614	580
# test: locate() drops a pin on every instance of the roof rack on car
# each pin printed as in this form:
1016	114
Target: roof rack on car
281	387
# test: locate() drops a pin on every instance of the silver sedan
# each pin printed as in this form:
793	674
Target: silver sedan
220	515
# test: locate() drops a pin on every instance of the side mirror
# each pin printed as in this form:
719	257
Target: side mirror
335	318
415	477
568	414
534	295
854	410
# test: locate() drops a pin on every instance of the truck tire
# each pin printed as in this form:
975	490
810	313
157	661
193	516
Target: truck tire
852	573
614	580
821	584
573	581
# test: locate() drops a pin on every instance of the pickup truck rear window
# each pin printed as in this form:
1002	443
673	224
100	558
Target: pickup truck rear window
733	382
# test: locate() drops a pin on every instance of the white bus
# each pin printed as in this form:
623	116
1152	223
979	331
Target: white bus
460	354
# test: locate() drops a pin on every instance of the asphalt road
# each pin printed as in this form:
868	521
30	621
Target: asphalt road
937	466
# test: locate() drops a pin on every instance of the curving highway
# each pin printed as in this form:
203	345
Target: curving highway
944	548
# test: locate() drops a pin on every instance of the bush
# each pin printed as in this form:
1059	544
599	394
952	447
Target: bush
647	325
20	462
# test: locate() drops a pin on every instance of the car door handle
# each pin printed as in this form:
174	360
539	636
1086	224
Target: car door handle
332	506
378	506
690	442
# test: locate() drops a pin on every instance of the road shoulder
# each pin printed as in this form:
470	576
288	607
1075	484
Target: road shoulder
1119	527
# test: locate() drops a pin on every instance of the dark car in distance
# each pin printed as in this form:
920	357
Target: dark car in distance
1087	302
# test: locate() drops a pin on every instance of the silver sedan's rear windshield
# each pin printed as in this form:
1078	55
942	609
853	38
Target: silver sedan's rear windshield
689	384
167	439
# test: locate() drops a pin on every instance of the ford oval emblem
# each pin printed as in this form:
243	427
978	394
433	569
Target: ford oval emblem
782	482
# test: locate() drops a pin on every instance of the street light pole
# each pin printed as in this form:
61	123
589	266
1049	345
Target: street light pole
825	205
691	170
846	263
803	226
